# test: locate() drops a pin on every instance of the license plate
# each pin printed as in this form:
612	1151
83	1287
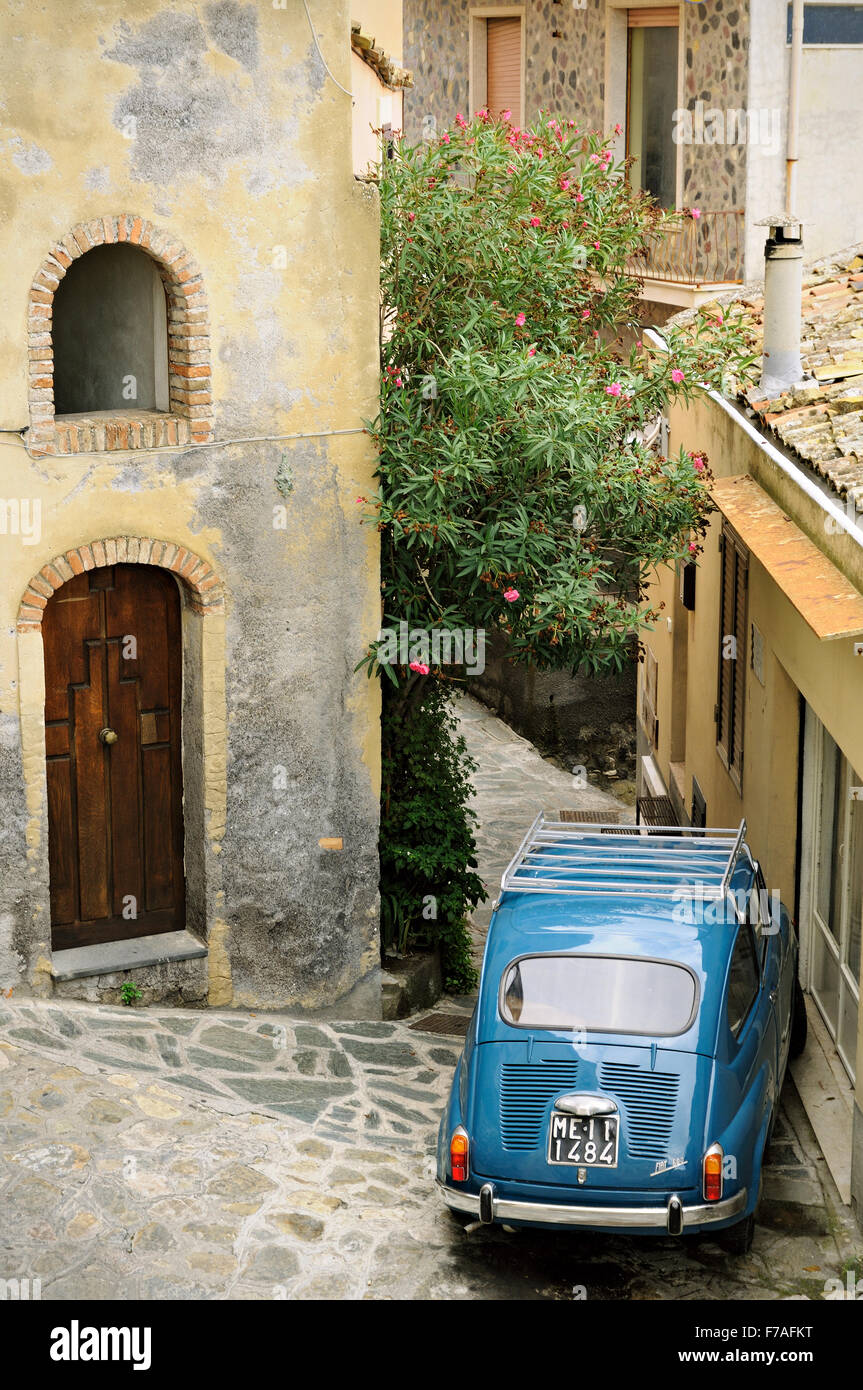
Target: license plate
585	1141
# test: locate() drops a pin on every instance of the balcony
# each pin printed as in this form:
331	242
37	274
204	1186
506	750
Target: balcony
693	260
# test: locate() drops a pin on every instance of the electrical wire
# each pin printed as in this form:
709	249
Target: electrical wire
321	56
182	448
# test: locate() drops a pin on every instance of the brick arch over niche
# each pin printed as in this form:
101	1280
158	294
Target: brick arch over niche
200	579
190	415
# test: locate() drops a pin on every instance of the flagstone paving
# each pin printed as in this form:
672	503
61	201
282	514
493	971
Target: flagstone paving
178	1154
183	1154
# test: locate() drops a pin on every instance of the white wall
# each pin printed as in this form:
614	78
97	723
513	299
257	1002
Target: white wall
829	182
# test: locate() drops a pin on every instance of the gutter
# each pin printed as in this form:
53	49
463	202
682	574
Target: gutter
791	470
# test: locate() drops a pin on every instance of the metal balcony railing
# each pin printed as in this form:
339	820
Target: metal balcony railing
707	250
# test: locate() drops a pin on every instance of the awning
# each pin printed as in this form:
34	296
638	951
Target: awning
823	597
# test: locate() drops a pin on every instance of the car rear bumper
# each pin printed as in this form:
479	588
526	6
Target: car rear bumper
671	1218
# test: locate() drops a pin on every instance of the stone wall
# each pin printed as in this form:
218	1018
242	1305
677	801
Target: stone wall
585	721
562	74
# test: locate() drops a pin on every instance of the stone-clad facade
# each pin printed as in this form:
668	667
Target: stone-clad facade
210	138
561	74
565	72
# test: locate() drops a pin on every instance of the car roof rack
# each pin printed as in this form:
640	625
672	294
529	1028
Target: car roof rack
559	857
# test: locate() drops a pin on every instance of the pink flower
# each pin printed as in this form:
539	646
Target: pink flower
460	120
420	667
565	225
531	352
614	389
444	139
585	313
698	463
520	320
618	129
638	344
361	499
505	115
511	595
564	183
399	381
412	217
696	213
692	547
719	319
579	197
596	244
677	375
536	221
539	151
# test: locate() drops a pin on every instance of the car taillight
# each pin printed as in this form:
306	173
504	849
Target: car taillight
713	1173
459	1147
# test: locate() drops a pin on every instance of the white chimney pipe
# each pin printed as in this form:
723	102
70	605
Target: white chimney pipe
783	289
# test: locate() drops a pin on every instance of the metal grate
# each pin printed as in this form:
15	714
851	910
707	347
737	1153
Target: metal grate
525	1091
555	857
650	1102
453	1025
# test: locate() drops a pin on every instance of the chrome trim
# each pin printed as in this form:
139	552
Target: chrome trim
675	1215
486	1204
654	1218
583	1103
710	857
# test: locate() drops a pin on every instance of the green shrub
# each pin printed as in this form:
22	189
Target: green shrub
427	843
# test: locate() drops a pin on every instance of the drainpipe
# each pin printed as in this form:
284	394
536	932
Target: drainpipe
791	152
783	288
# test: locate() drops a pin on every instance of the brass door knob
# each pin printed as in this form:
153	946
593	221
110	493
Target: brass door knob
108	736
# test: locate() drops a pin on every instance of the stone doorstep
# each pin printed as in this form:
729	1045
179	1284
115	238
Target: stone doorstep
134	954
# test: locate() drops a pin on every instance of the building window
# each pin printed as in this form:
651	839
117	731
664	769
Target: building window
503	58
111	334
835	26
118	342
649	698
497	61
651	101
730	703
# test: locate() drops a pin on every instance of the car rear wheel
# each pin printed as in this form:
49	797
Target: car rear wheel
799	1022
737	1240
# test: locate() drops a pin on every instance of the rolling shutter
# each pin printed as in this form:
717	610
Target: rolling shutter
731	701
503	39
657	17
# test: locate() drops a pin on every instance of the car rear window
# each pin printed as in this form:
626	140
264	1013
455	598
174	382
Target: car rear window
601	994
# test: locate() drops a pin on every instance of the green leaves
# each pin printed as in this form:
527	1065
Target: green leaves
515	390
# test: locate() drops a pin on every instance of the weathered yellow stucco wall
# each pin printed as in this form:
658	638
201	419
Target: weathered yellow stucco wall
827	674
219	124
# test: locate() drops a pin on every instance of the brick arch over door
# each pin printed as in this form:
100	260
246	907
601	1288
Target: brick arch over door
201	581
190	394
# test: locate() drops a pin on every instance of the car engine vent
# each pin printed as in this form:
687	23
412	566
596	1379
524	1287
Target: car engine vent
525	1091
649	1099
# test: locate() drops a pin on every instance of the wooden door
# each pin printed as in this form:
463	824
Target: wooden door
113	678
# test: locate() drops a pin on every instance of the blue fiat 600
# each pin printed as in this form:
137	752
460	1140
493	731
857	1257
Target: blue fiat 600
637	1006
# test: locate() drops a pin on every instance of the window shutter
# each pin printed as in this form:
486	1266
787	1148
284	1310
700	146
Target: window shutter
503	38
740	633
655	17
649	721
731	686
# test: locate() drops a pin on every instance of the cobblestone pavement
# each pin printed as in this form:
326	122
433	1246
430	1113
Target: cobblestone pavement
514	783
181	1154
167	1153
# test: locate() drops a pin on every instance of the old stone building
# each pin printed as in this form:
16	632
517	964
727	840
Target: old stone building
189	765
700	94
